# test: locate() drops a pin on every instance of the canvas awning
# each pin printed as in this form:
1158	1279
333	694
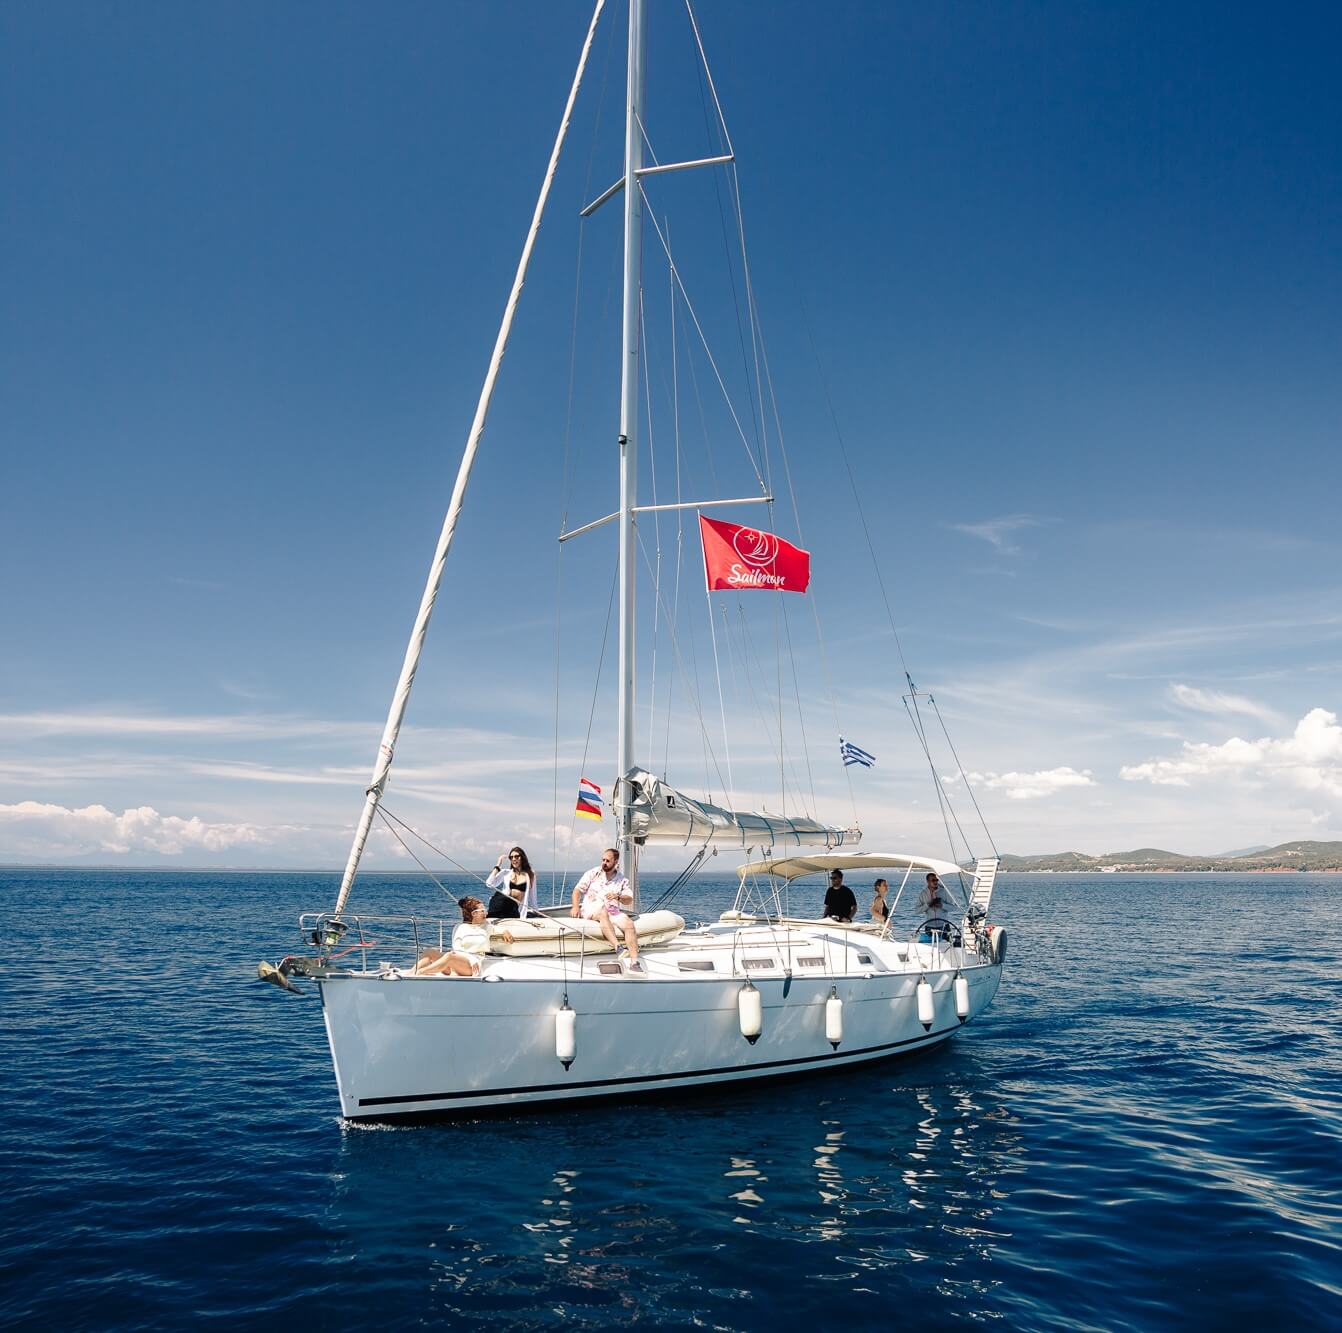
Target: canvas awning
794	867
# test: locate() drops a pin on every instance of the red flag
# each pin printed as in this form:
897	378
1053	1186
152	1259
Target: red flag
736	557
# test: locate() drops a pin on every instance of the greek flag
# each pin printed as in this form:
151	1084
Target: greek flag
852	755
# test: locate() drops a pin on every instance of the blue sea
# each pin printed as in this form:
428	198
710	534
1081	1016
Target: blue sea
1143	1132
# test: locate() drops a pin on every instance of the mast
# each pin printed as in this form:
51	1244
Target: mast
633	262
401	697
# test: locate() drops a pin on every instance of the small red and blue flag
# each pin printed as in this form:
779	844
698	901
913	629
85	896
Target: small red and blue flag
589	800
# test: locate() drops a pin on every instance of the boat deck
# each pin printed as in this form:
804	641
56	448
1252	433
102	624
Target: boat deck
722	950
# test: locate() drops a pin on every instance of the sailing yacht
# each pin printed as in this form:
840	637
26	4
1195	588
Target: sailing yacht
555	1013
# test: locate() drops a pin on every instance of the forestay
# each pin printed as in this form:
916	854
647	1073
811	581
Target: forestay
659	813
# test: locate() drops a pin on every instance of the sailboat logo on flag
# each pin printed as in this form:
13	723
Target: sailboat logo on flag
755	548
589	800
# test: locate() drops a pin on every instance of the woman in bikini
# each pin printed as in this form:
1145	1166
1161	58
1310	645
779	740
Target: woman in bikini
880	909
515	881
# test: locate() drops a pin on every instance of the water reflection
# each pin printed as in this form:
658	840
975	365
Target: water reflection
560	1220
744	1167
598	1211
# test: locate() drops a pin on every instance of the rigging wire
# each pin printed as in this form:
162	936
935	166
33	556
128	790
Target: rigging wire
722	705
388	819
753	386
916	717
778	691
694	694
960	768
757	353
433	583
699	42
731	673
566	473
801	716
672	891
680	513
713	481
780	752
656	516
591	712
812	596
766	376
708	351
761	478
857	498
942	795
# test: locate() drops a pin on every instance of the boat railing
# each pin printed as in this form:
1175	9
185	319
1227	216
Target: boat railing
370	941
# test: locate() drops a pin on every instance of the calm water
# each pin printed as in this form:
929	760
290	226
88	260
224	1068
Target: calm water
1144	1132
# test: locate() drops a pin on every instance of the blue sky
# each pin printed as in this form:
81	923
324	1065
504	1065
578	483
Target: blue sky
1069	274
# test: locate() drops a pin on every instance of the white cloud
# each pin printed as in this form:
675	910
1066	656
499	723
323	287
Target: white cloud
35	828
244	772
26	771
999	531
585	840
1219	703
1032	786
151	724
1309	759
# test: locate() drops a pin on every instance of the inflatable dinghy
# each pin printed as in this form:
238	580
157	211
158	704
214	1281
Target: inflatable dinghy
547	936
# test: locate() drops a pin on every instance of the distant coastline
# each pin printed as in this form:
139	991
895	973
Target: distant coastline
1284	859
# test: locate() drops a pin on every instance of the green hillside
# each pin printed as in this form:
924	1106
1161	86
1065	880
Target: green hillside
1299	855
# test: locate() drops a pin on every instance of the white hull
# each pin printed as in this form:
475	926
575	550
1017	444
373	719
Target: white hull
417	1045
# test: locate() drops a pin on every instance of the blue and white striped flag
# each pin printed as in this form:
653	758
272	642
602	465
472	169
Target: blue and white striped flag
852	755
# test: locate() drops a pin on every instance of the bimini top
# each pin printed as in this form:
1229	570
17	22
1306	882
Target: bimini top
794	867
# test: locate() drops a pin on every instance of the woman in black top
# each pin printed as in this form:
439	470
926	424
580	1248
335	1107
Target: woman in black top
514	886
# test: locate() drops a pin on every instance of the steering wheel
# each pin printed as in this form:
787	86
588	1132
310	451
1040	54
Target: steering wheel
939	927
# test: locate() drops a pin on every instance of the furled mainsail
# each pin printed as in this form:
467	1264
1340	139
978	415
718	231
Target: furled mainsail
659	813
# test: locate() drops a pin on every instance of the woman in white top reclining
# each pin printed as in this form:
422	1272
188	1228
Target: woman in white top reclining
470	943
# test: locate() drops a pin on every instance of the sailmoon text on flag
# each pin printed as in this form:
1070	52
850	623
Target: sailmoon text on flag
737	558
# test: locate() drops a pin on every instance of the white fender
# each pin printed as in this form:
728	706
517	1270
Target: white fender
834	1018
750	1012
566	1035
998	938
961	997
925	1010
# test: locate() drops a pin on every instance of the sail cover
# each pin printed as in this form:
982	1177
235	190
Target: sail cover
661	814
